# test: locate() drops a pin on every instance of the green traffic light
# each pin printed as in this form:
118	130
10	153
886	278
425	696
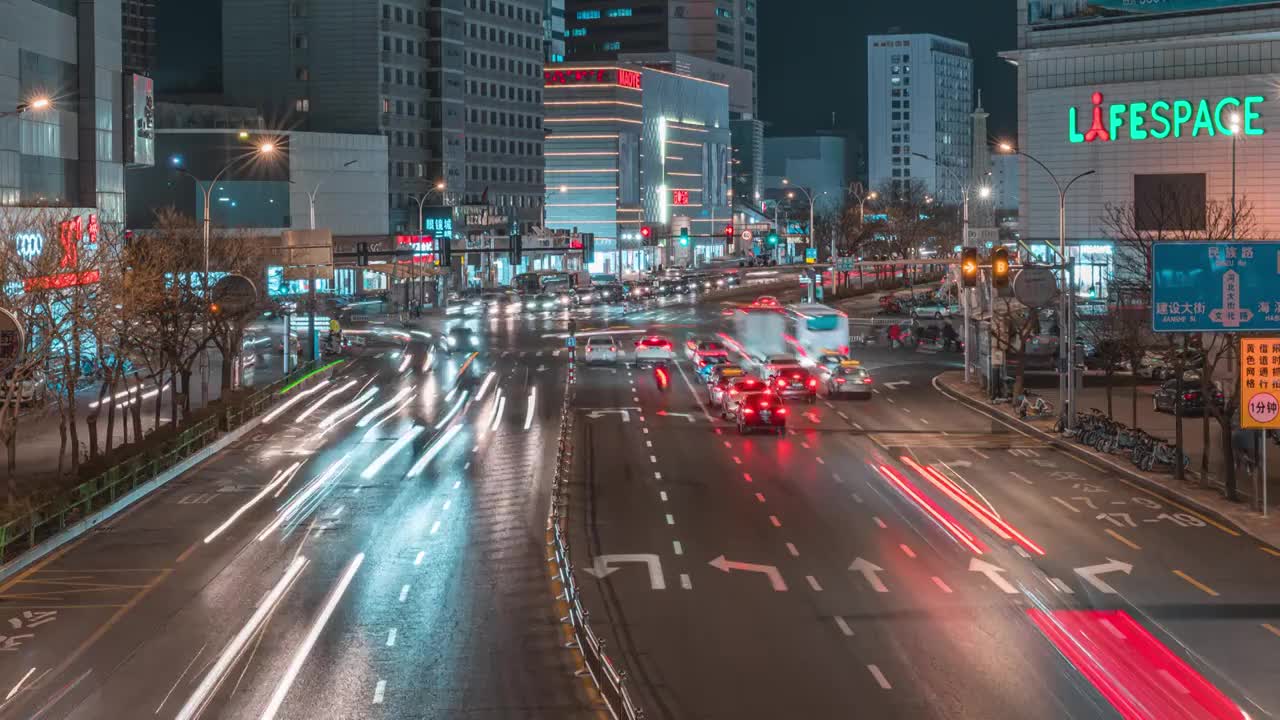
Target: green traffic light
684	237
772	238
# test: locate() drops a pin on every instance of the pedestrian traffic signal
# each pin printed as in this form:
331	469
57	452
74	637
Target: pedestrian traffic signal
514	254
684	237
1000	268
646	232
362	254
969	266
772	238
728	232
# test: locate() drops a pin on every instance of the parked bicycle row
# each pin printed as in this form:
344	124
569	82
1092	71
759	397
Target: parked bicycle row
1109	435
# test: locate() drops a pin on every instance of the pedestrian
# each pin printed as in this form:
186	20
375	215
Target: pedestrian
895	336
949	337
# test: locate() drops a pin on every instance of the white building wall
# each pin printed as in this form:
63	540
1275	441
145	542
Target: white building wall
351	200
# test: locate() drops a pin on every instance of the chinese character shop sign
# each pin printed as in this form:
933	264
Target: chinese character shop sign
1215	287
1163	119
1260	383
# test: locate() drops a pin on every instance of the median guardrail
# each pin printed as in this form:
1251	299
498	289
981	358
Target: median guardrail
25	532
608	679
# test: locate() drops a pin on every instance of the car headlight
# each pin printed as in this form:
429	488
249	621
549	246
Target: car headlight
474	341
452	341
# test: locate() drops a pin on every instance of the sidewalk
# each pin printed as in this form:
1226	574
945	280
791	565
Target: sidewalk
1208	501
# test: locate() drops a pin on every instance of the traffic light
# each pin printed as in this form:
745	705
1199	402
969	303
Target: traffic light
728	232
646	232
215	309
588	248
362	254
516	248
969	266
772	238
1000	268
684	237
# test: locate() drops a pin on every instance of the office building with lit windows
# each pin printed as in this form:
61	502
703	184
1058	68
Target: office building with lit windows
395	68
631	146
919	100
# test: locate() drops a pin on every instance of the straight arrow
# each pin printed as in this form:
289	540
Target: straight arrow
994	573
869	570
601	567
686	416
1091	573
775	577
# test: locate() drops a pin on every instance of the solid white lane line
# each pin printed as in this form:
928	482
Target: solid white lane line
404	592
880	678
792	549
679	549
685	582
844	626
880	522
378	691
304	649
671	520
776	522
941	585
391	637
813	583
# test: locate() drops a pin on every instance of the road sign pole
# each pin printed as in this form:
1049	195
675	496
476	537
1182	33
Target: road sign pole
1264	472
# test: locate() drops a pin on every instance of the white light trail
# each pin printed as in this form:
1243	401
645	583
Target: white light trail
497	412
426	363
528	416
290	403
329	396
359	402
432	451
196	702
276	481
408	358
15	689
297	501
390	452
368	434
369	416
453	410
484	386
300	657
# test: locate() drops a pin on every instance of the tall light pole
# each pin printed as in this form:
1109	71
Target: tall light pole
809	196
265	148
1233	124
1066	328
421	200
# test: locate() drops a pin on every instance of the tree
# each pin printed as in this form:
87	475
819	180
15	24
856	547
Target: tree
1012	327
912	219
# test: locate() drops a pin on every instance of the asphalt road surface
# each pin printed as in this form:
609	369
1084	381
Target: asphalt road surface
900	557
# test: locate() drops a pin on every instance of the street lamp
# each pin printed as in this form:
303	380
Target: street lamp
36	103
422	199
809	196
1233	125
265	148
1066	341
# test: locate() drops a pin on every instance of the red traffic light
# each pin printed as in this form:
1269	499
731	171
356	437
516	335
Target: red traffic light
645	231
728	231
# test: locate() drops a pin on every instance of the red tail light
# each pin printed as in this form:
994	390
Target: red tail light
840	381
747	411
764	403
866	381
782	382
1188	396
813	382
782	411
613	348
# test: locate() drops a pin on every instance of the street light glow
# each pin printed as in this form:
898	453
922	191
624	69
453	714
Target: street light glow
267	148
984	192
873	195
40	103
440	185
1005	147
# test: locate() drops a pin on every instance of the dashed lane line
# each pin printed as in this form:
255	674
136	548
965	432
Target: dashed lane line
378	691
844	627
677	547
791	548
1122	539
685	582
404	592
941	585
773	519
1197	584
880	678
662	494
813	583
1272	629
391	637
906	549
880	522
671	520
760	497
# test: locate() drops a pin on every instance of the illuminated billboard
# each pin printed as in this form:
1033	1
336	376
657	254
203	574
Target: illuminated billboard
1056	11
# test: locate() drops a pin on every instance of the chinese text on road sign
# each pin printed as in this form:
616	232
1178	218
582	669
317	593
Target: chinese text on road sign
1208	287
1260	383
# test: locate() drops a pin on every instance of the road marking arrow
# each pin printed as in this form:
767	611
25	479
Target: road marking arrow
1091	573
896	384
601	567
869	570
960	463
686	416
541	368
994	574
624	412
775	577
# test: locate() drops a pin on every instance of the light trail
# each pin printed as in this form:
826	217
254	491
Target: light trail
453	410
279	479
292	401
368	434
528	416
209	683
359	402
300	657
408	358
390	452
497	412
488	380
321	402
369	416
291	507
17	687
432	451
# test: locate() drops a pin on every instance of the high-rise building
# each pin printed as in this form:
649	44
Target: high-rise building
723	31
61	145
815	163
504	60
138	36
553	23
919	100
393	68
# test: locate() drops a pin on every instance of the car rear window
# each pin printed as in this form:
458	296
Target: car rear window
600	341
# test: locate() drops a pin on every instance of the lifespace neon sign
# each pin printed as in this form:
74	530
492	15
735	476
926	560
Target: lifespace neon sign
1165	119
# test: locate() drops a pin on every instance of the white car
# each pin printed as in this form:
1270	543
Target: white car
654	349
30	390
935	310
600	349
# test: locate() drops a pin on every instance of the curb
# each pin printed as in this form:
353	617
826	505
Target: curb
1079	452
72	532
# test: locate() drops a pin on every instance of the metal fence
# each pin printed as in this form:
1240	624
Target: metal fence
611	681
25	532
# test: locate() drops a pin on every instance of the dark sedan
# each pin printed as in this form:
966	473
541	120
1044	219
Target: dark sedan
1192	402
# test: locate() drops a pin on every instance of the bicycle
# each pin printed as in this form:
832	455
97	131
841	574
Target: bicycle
1038	407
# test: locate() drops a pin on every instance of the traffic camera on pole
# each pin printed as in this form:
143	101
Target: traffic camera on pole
1000	268
969	267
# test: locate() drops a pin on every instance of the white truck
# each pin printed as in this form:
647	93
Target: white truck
760	332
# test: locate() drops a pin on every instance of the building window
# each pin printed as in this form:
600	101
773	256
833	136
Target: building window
611	45
302	105
618	12
724	13
300	42
386	105
386	12
578	32
302	74
588	14
399	15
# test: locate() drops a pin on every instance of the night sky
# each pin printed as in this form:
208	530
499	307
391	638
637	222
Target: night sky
813	56
812	61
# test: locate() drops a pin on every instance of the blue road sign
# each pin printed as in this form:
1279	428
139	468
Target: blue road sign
1215	287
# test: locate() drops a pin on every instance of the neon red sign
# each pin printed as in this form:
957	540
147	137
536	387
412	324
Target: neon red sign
71	233
572	76
629	79
679	197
